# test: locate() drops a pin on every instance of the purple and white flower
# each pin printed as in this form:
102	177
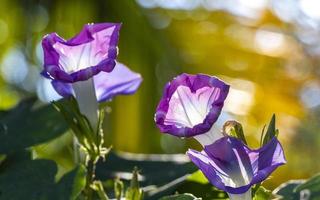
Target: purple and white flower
233	167
85	66
120	81
190	105
93	50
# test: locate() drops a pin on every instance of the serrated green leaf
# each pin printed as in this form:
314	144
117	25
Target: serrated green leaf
25	126
185	196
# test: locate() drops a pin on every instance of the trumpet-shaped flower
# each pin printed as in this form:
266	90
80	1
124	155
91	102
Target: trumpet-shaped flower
233	167
93	50
190	105
85	66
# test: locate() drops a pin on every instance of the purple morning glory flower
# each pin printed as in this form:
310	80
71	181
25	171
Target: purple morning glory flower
190	105
233	167
93	50
85	66
121	80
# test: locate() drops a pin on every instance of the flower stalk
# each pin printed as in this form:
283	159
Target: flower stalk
244	196
91	165
90	140
87	100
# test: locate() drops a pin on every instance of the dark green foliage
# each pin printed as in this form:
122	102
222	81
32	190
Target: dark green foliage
156	170
313	185
26	126
296	190
286	190
198	185
71	184
23	178
28	180
201	190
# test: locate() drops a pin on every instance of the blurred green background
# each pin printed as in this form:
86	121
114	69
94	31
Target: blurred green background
267	50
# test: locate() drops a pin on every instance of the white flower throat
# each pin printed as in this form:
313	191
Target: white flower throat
87	100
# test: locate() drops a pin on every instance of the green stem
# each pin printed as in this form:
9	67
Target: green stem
91	165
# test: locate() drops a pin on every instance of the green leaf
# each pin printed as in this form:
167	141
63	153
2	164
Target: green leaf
185	196
71	184
286	190
25	126
198	177
234	129
295	190
271	131
23	178
28	180
15	158
310	189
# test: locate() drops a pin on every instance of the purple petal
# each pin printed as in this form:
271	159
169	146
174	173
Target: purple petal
266	159
231	156
63	89
121	81
93	50
190	105
233	167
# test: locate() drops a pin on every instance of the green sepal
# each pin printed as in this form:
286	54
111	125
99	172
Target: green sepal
90	140
271	131
118	188
98	187
134	192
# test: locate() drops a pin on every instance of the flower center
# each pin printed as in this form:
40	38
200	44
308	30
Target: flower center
78	57
187	109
